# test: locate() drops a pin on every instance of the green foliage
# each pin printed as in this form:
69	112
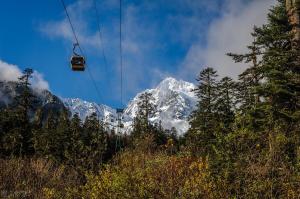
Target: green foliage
85	144
226	103
249	129
95	141
16	130
146	109
10	136
50	134
142	127
201	136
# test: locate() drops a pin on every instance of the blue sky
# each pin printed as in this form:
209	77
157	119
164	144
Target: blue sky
160	38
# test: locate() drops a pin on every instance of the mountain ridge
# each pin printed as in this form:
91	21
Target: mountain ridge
174	98
44	100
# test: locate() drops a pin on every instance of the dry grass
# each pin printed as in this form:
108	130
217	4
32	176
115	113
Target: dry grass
34	178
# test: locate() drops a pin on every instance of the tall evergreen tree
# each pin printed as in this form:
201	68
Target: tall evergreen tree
146	109
11	133
280	88
247	96
159	134
25	99
24	104
201	135
38	132
226	103
45	138
270	139
95	142
61	135
74	144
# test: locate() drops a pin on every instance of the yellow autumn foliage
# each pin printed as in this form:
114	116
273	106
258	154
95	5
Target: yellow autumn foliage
136	174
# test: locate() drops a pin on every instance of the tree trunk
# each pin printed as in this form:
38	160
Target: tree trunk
293	10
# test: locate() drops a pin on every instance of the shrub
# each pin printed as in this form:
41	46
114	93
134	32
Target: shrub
138	174
34	178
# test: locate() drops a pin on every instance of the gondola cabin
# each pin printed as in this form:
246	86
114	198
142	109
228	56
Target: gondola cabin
77	63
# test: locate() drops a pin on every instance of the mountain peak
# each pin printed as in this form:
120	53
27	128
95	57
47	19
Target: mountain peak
173	84
169	79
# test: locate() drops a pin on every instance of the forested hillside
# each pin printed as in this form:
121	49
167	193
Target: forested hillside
243	140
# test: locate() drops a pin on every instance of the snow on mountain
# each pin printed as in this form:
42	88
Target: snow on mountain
84	109
174	99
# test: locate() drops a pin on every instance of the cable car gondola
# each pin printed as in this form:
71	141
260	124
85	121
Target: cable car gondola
77	61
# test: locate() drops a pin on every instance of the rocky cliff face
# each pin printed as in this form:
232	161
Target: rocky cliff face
44	100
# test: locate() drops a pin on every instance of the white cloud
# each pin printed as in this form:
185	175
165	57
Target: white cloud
228	33
10	72
38	82
79	13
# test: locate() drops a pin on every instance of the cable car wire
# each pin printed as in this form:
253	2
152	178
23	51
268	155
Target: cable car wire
81	51
100	35
121	56
94	82
71	24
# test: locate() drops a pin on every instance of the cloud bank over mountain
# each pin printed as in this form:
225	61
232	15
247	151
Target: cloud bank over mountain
11	72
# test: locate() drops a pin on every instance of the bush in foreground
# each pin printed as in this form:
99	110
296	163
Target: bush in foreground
35	178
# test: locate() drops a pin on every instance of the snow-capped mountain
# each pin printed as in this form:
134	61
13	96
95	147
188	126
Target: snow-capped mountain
84	109
174	99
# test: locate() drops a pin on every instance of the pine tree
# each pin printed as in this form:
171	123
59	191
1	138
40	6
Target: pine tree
61	135
137	128
25	99
202	134
74	144
146	109
11	139
38	131
270	138
280	88
24	104
247	96
95	142
45	139
226	102
159	134
111	148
